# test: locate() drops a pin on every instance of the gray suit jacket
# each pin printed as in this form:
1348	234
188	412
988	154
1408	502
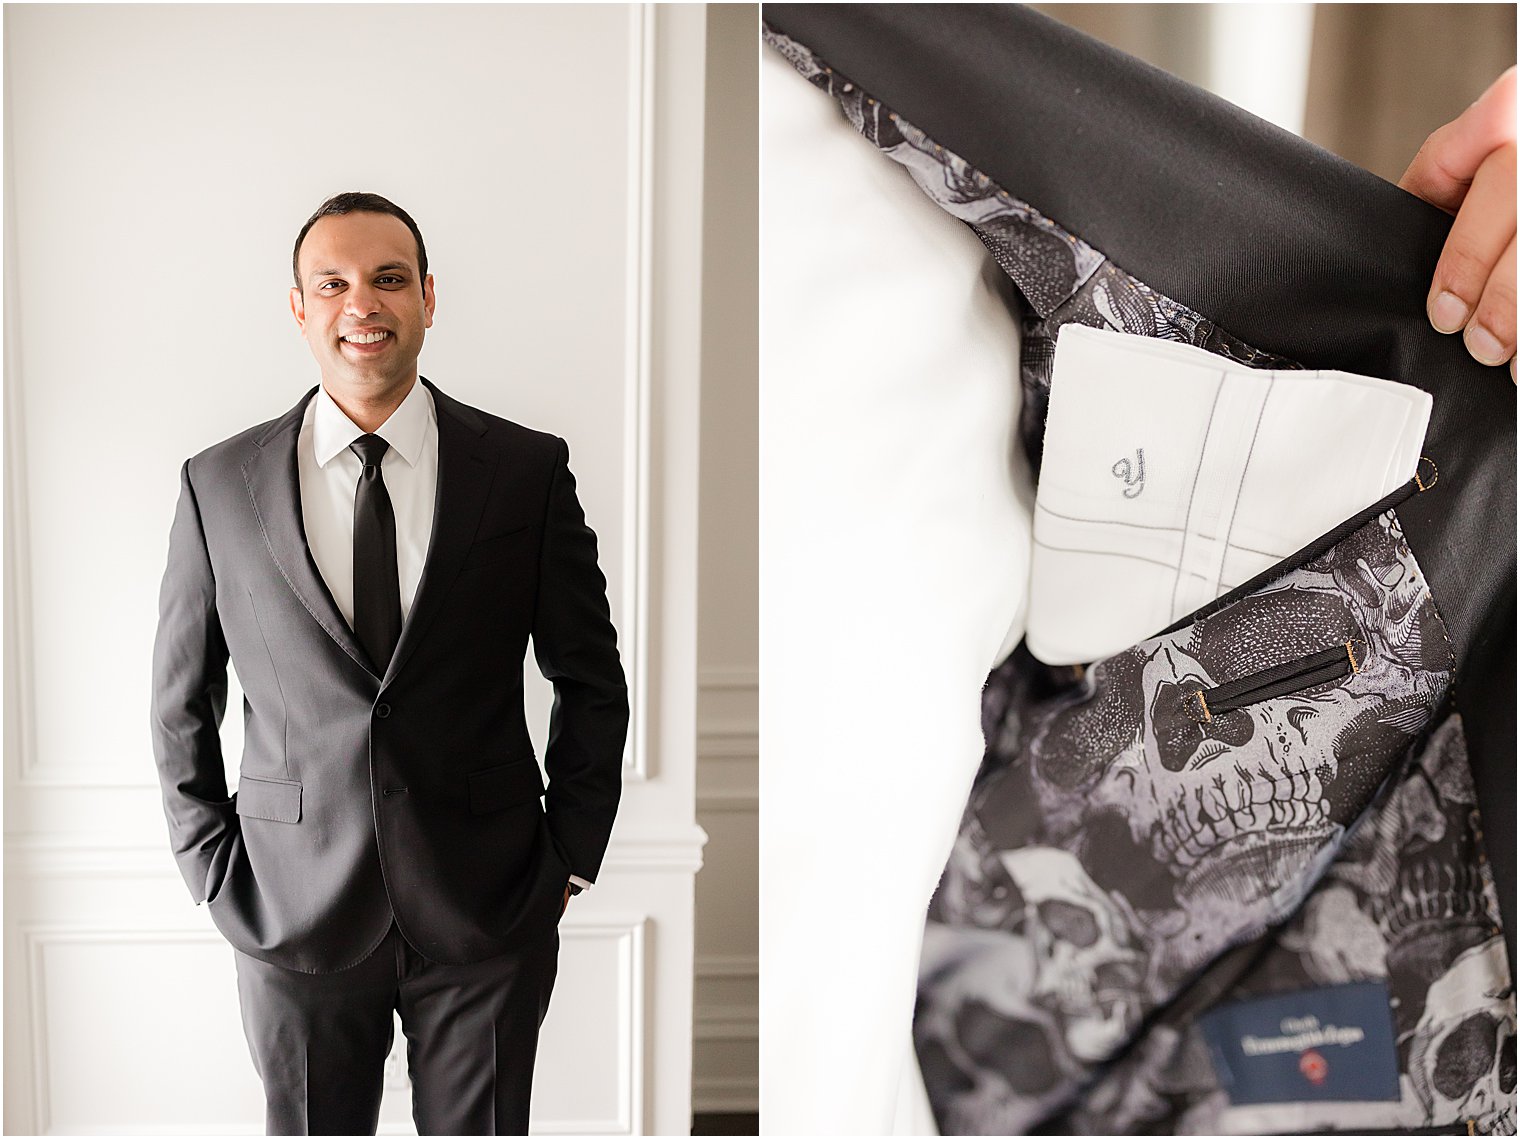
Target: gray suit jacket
411	791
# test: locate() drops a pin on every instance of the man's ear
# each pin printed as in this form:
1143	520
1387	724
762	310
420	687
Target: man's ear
429	299
298	306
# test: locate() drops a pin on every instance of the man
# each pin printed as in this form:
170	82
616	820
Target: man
374	562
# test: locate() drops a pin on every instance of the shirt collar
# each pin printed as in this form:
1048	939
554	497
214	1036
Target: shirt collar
405	430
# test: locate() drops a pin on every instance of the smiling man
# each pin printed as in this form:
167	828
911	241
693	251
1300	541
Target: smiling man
373	563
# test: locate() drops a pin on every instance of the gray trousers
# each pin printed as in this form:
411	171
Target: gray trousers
319	1041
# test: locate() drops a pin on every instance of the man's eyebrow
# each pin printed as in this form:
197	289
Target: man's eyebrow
377	269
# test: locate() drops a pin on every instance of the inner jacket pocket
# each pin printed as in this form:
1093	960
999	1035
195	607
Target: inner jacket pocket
1202	704
1175	838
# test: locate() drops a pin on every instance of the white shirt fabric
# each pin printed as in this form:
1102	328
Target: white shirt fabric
895	524
330	479
329	474
1171	474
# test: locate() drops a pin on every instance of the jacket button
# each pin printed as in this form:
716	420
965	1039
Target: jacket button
382	710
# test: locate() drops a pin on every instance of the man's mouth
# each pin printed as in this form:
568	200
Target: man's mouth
366	337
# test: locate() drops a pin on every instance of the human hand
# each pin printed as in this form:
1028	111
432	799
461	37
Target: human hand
565	905
1467	168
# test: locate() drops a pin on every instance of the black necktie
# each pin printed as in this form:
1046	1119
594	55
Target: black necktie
377	588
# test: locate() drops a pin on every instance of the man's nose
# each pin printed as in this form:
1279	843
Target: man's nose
361	301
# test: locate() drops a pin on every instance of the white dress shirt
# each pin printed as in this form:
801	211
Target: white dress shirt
330	478
329	474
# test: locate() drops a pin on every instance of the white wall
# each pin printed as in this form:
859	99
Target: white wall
726	1055
159	162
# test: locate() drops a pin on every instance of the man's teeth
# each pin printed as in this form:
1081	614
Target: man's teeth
367	338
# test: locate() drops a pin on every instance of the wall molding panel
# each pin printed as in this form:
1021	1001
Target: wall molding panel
37	941
620	942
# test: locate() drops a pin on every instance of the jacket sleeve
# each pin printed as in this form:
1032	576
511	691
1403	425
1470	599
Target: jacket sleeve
189	698
576	648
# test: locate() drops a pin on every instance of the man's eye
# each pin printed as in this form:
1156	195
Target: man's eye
387	277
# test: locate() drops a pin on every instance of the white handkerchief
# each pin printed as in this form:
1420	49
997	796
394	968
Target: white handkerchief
1171	475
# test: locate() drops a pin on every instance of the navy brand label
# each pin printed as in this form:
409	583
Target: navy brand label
1334	1043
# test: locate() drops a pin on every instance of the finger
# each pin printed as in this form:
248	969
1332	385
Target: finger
1490	336
1484	228
1444	167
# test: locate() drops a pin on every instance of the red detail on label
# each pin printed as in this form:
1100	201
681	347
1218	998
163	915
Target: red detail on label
1314	1067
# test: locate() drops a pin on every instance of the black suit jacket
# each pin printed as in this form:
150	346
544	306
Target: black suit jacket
414	793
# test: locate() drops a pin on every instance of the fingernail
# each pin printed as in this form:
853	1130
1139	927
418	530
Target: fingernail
1484	345
1448	312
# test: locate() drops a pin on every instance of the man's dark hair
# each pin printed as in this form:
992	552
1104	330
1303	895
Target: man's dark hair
357	201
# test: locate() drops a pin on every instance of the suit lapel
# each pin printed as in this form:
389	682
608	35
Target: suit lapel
274	484
465	469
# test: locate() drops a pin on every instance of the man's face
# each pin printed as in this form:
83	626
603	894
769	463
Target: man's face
359	272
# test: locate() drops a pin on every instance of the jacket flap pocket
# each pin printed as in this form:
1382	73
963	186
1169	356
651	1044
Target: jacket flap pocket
509	532
488	551
278	800
504	786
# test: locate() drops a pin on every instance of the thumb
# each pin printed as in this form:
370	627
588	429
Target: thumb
1444	167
